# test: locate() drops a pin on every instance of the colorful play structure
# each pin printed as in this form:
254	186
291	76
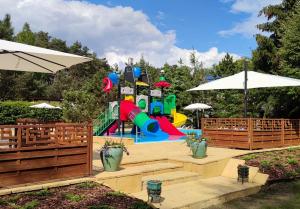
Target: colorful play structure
151	113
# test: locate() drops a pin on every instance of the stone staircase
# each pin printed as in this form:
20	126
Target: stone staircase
183	188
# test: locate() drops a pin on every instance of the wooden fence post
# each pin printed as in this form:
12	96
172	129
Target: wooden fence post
282	132
90	146
250	133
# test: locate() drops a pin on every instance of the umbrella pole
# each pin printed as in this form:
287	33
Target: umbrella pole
245	90
197	119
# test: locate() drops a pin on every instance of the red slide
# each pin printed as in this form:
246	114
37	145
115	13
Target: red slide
168	127
113	128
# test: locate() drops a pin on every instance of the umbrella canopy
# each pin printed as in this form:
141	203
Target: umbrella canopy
254	80
197	106
44	105
22	57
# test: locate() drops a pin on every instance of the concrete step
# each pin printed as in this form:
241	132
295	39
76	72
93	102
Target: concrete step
231	171
129	179
171	178
201	193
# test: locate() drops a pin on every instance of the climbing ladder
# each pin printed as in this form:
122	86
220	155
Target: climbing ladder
103	122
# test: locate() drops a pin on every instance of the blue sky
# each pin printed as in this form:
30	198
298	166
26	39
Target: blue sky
161	31
196	22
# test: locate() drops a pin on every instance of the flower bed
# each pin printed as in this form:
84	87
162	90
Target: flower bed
279	164
88	195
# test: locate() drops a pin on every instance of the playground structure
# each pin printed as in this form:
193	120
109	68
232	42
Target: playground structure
150	112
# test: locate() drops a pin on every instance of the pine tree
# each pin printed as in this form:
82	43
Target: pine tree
6	29
26	36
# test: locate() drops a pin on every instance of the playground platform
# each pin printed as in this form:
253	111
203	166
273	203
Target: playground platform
187	182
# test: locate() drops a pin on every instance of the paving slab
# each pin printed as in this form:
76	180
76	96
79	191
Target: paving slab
201	193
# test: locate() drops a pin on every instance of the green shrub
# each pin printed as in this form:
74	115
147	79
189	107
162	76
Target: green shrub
116	194
41	193
249	157
14	198
292	161
265	164
29	205
73	197
11	111
3	202
78	106
86	185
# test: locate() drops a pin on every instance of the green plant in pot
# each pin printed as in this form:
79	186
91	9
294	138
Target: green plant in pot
190	139
199	148
111	155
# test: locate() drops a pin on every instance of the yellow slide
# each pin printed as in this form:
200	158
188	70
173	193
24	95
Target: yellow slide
179	119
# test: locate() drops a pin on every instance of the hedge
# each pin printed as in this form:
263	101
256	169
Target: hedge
10	111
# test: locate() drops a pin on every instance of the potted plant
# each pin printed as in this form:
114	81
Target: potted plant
199	148
111	155
190	139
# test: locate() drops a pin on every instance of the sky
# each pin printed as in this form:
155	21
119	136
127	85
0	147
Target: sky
159	30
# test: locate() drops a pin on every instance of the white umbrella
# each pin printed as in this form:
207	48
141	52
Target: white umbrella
44	105
22	57
254	80
248	80
197	106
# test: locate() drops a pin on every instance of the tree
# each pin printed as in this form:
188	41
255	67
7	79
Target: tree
7	81
42	39
6	29
58	44
278	53
78	106
226	67
26	36
290	50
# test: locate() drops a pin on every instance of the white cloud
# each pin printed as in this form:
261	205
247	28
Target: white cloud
251	7
112	32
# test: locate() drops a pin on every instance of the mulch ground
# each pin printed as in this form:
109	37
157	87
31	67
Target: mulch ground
279	165
81	196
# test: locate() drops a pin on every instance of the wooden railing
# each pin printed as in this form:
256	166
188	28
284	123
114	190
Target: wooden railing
251	133
30	153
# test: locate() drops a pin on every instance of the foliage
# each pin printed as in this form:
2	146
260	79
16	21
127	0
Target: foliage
41	193
249	157
292	161
86	185
116	194
73	197
10	111
26	36
112	144
279	54
29	205
78	106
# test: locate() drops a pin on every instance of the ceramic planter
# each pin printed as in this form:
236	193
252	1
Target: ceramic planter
199	149
111	158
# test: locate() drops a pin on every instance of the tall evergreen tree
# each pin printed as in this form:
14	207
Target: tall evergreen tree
26	36
6	29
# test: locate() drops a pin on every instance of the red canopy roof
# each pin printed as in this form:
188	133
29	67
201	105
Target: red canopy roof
163	84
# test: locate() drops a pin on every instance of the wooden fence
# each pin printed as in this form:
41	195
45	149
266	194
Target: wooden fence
251	133
31	153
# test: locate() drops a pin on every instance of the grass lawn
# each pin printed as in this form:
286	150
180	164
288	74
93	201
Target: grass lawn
87	195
